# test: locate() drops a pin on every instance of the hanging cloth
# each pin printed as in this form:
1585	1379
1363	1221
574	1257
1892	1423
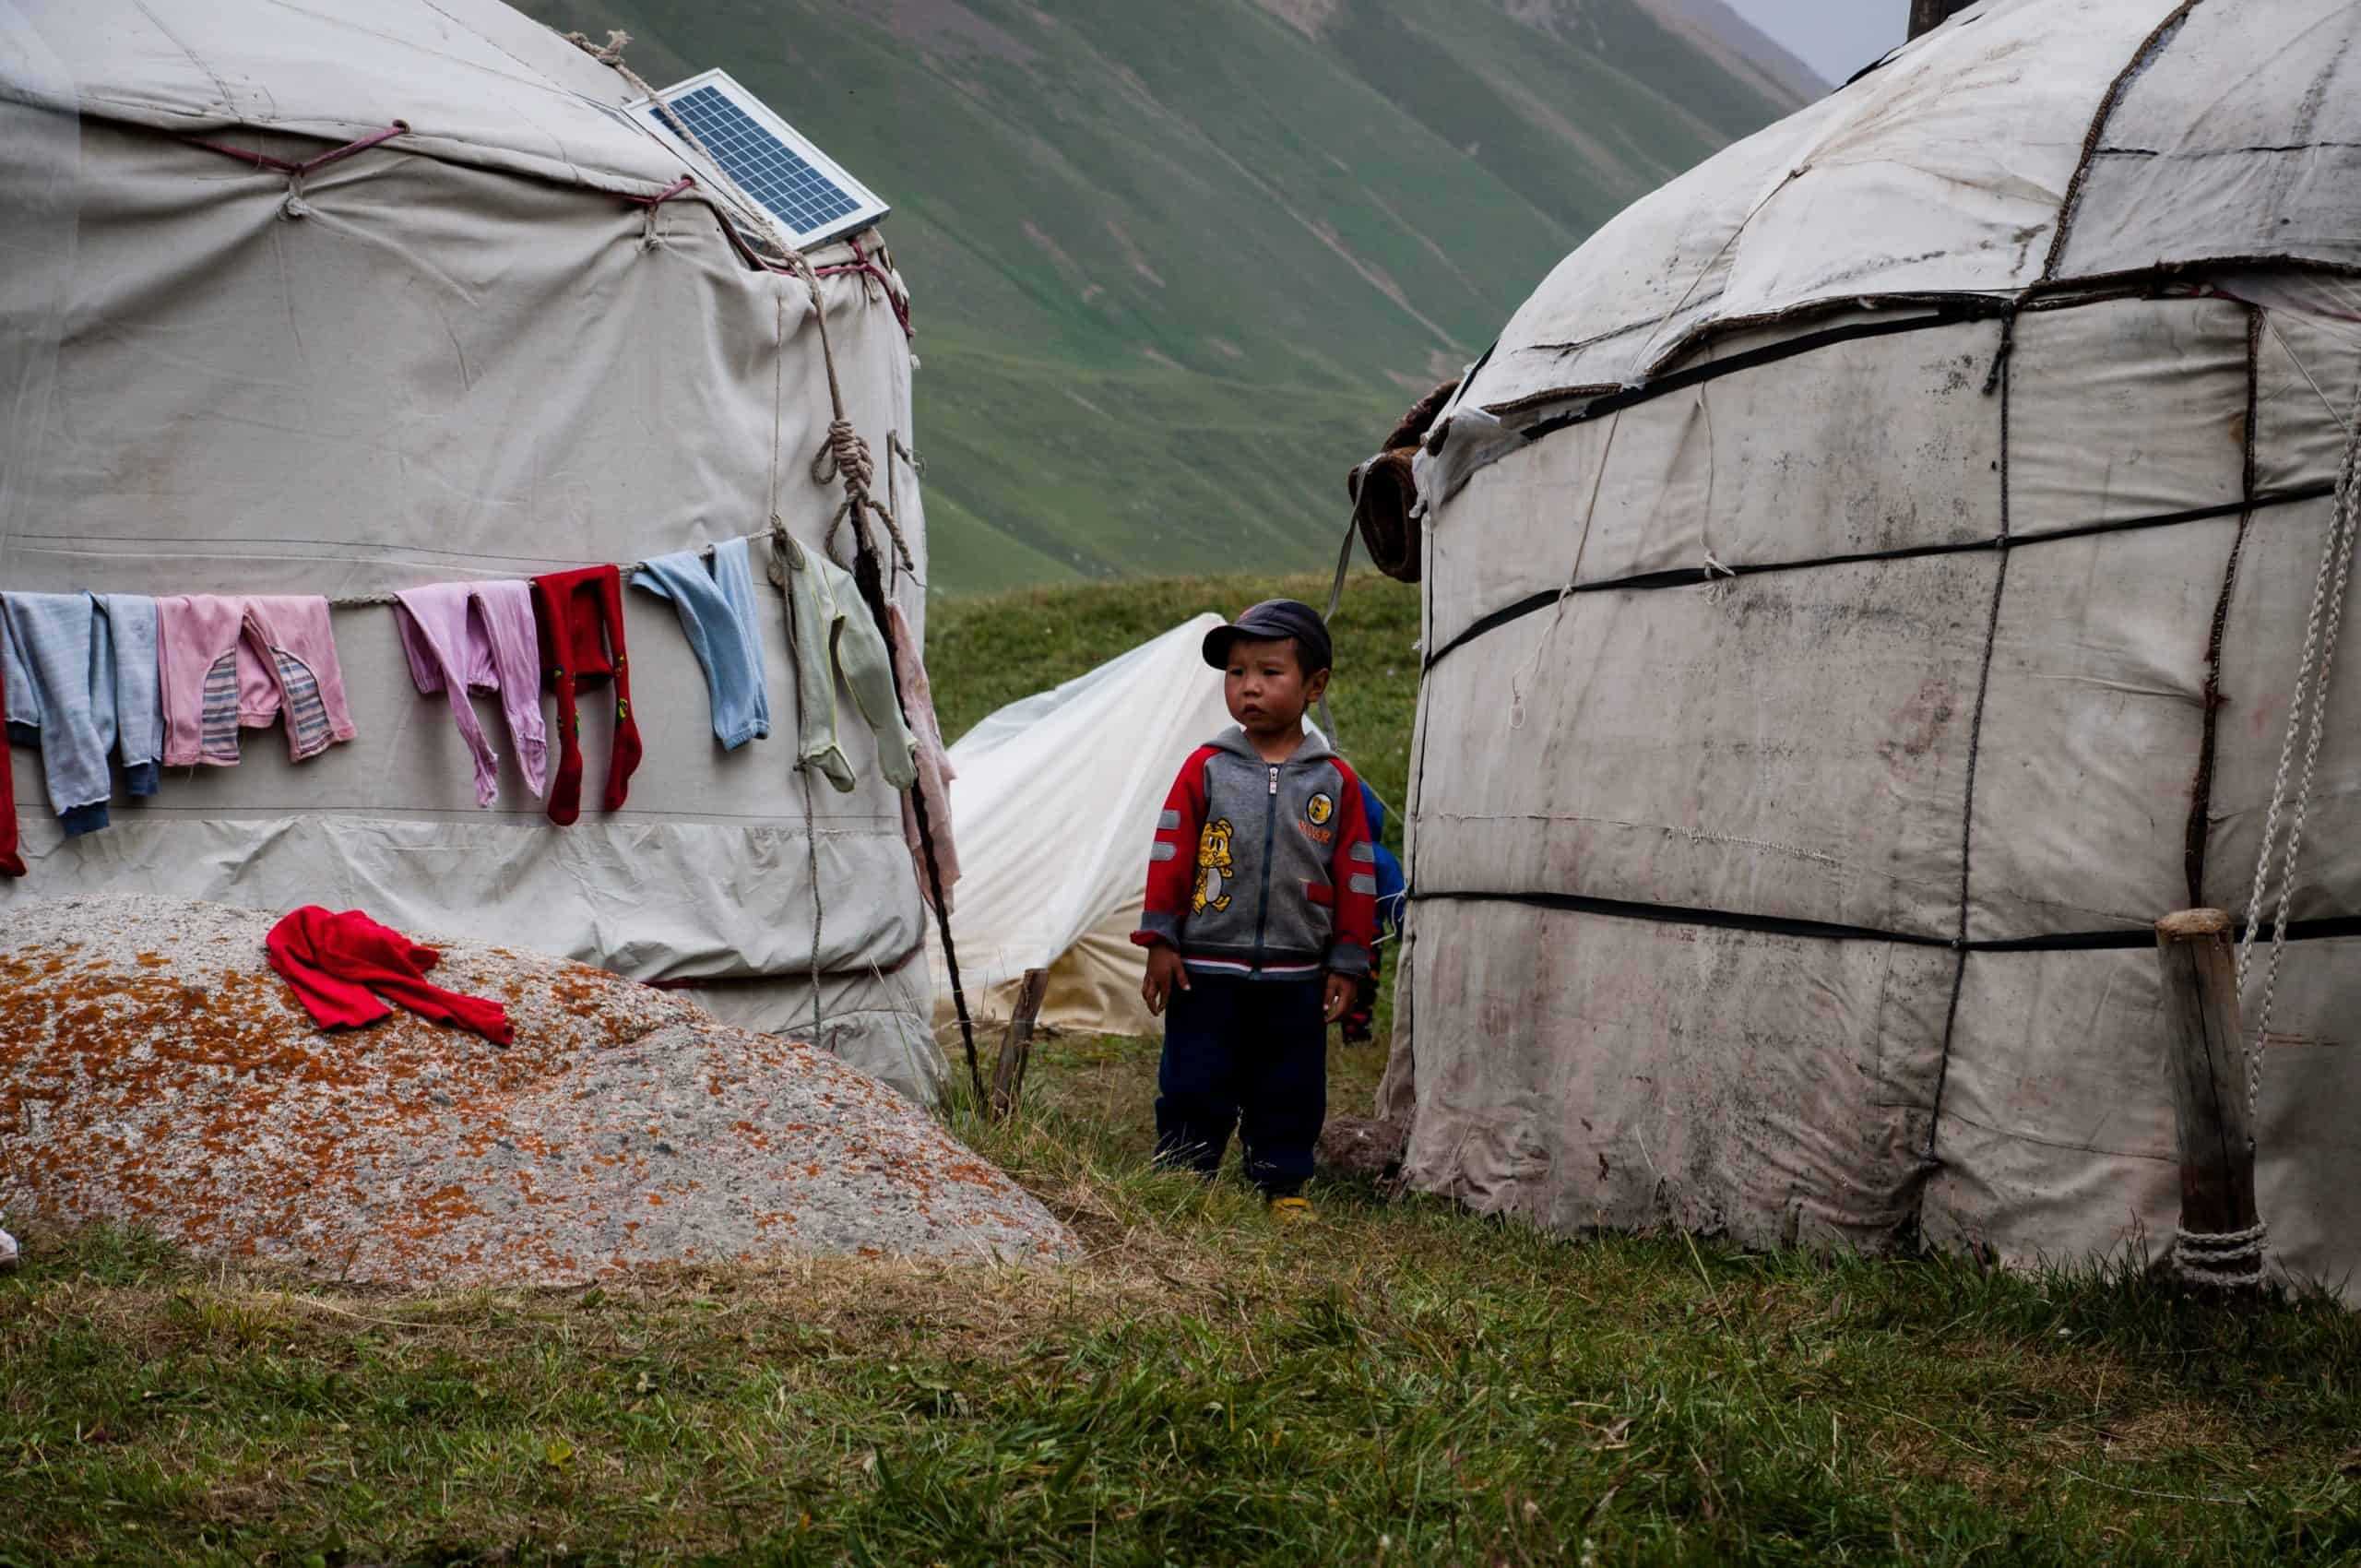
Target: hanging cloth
67	671
464	637
138	698
935	771
10	864
580	615
717	610
227	663
831	637
338	965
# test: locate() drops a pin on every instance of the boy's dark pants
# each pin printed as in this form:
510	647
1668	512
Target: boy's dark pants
1244	1051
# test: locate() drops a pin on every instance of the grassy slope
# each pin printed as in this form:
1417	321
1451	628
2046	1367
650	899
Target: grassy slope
1403	1384
1177	266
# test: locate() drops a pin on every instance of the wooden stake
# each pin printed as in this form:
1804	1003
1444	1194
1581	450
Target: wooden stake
1016	1046
2206	1060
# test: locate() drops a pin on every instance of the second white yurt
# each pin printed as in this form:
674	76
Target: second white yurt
1866	586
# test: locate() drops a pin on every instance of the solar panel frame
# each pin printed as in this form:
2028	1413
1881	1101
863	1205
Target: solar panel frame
809	197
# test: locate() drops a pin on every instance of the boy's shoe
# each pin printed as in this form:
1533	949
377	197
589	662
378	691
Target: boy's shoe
1290	1211
7	1253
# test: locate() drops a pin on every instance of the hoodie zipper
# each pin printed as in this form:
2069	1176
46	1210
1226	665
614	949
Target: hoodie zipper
1270	831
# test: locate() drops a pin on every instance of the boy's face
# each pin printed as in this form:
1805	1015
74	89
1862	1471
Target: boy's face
1266	688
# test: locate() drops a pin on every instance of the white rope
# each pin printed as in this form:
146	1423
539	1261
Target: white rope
2306	714
2229	1258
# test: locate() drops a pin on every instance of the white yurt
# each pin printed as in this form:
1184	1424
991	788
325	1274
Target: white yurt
349	298
1865	587
1056	796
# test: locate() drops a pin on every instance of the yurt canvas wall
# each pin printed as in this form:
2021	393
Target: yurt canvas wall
1864	589
481	349
1056	800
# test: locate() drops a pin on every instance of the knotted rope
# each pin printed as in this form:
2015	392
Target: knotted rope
2234	1258
843	458
2229	1260
610	54
292	205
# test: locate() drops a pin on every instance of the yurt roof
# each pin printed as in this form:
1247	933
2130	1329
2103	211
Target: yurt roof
476	82
2025	143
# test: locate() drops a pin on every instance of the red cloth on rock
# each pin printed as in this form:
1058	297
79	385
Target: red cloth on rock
580	615
334	963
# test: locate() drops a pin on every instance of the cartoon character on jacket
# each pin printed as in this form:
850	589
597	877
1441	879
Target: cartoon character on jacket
1214	866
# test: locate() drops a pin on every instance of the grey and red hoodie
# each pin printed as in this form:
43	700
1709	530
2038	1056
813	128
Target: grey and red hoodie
1264	870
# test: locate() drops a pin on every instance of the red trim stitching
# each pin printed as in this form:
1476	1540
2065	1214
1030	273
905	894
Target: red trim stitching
282	166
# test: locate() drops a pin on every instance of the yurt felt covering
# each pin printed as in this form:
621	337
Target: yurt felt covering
1864	589
508	339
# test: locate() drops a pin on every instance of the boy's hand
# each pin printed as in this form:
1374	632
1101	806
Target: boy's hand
1337	995
1165	972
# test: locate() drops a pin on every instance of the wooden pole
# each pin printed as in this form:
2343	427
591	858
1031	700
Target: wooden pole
1926	14
2206	1060
1016	1046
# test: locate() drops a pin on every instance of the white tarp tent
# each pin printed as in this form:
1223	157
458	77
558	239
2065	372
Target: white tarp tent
1864	587
1056	799
505	339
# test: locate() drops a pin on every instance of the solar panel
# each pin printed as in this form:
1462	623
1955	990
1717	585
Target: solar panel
809	195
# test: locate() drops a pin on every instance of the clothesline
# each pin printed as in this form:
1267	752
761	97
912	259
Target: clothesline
627	570
151	684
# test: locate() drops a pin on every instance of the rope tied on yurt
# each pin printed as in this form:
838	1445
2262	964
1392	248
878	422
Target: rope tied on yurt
844	458
294	204
2233	1259
2227	1260
610	54
2307	714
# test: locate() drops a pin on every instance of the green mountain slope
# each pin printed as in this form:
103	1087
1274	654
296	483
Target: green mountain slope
1177	266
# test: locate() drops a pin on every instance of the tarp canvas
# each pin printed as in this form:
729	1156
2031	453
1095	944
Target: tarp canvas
507	338
1865	587
1056	799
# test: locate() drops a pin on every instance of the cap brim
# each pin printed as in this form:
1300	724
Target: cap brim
1216	646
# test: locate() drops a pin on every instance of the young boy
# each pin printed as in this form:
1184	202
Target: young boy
1261	904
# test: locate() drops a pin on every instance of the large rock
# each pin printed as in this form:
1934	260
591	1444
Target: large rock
153	1069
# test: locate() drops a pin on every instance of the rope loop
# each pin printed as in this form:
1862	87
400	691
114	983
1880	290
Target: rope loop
2306	718
2227	1259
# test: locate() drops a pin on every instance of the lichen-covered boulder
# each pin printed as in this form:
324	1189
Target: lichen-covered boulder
153	1069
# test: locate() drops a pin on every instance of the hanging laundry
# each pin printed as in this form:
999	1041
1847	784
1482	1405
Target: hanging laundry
227	663
936	772
716	610
17	689
580	615
66	669
339	965
11	863
463	637
833	633
139	699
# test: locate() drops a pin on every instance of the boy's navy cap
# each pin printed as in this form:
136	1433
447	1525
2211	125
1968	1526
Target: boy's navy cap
1268	622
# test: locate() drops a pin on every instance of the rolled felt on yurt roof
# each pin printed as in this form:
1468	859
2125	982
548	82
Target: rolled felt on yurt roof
1865	587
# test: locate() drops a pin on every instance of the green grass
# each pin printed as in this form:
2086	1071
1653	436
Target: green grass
1402	1383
